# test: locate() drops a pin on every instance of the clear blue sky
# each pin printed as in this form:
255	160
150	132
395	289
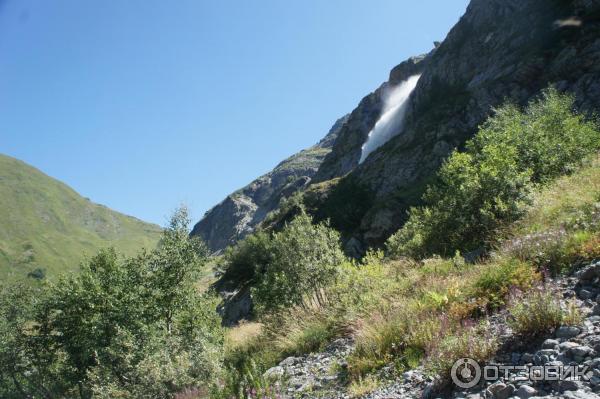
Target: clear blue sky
143	105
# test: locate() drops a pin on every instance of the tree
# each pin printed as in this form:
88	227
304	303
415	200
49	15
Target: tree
479	190
127	328
305	257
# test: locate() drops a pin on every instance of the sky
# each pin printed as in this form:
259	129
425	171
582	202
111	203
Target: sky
143	105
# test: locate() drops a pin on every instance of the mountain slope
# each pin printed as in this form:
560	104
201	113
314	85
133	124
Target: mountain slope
499	51
46	226
238	215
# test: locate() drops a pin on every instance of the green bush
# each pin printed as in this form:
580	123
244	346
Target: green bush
304	259
536	313
124	328
483	188
493	285
243	261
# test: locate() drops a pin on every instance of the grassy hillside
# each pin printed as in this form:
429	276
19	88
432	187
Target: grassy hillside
46	225
521	203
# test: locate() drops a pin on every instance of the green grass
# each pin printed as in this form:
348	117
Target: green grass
434	311
46	226
566	202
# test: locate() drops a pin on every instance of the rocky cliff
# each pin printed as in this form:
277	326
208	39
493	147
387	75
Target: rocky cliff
238	215
500	50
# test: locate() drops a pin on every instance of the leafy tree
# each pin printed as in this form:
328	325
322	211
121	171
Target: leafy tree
245	260
175	267
126	328
304	259
479	190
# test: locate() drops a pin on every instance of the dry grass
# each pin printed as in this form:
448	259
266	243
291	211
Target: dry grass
363	386
242	334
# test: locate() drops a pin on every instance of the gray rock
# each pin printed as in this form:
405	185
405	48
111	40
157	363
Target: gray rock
581	351
290	361
578	394
590	273
550	344
567	346
274	372
567	332
525	392
585	294
570	385
527	358
495	387
236	306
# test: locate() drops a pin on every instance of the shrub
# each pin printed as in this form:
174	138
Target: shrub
363	386
535	313
304	259
243	261
491	288
475	342
483	188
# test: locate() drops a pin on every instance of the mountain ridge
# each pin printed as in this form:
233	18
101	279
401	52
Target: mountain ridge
243	210
48	228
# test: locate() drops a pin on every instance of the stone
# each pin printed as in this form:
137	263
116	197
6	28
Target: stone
567	346
585	294
581	351
577	394
570	385
290	361
527	358
589	273
525	392
550	344
274	372
506	393
567	332
540	359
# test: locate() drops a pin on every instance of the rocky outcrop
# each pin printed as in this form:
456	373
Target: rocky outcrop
238	215
347	149
499	50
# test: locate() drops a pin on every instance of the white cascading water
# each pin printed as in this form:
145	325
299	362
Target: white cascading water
392	116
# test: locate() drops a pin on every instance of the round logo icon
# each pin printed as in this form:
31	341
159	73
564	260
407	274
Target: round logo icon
465	373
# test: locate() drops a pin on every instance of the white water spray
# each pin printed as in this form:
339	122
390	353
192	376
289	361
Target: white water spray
392	116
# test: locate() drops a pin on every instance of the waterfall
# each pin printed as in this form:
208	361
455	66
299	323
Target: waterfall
392	116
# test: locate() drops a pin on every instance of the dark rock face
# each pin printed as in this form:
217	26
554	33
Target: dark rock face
499	50
242	211
347	149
